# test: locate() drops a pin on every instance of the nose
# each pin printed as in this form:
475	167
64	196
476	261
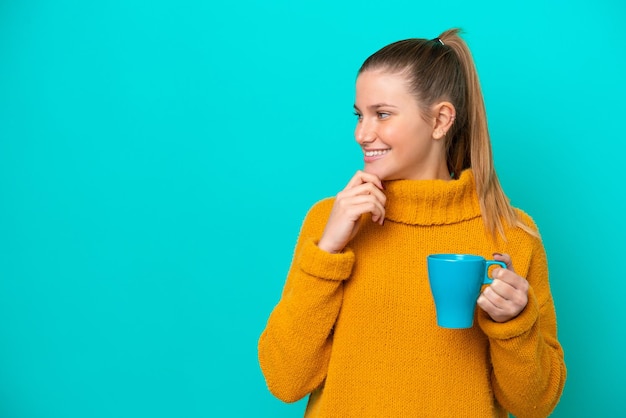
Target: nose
364	132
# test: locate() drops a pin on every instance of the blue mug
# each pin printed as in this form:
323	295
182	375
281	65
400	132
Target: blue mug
455	282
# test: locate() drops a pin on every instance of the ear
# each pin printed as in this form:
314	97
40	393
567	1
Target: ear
445	114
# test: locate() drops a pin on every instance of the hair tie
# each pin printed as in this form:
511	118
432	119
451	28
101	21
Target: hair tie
439	40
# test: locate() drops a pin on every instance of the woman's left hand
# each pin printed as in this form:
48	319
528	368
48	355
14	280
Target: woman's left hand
507	296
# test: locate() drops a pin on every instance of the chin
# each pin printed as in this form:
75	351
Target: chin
381	174
378	173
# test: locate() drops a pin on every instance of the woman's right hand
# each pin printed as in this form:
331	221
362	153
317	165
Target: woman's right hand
363	194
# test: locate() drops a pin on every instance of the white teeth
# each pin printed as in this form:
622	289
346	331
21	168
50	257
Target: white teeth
375	153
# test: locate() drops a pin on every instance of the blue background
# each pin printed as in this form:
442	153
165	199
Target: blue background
157	159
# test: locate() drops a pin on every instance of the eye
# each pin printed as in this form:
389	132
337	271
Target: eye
382	115
358	115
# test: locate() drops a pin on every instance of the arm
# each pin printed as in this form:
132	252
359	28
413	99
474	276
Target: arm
294	349
528	366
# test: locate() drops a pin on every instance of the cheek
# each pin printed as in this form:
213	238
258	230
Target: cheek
391	134
398	136
417	133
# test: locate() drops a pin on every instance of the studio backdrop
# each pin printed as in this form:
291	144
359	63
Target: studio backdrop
157	159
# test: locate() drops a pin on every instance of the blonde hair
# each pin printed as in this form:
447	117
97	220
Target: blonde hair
442	69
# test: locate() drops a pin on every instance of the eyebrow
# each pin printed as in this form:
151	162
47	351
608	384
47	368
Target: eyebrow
377	106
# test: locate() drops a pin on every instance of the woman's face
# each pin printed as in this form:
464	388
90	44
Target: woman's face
396	139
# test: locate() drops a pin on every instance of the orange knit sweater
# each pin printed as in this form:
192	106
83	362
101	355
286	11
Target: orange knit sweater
357	330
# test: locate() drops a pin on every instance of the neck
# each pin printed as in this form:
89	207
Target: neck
433	201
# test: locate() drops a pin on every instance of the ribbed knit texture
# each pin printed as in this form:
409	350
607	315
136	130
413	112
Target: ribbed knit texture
358	330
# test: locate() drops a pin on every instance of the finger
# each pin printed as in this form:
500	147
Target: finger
505	258
498	310
503	289
375	208
355	206
510	278
503	299
490	300
379	215
363	189
361	177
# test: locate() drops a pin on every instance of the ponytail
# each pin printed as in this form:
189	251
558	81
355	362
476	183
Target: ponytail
494	205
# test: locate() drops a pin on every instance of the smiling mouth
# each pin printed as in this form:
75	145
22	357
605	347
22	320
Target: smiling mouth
376	153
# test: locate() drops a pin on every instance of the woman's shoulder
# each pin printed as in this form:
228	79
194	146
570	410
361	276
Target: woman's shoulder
526	228
321	208
316	217
526	219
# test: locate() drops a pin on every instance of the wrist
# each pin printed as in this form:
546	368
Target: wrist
327	247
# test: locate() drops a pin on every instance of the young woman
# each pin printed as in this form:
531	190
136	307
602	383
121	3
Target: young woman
356	327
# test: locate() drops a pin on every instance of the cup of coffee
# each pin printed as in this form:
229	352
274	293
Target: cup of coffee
455	282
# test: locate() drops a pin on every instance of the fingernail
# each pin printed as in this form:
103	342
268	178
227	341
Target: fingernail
497	254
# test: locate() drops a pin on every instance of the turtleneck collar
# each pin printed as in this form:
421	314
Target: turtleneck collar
432	202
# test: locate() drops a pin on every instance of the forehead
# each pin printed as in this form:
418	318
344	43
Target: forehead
379	85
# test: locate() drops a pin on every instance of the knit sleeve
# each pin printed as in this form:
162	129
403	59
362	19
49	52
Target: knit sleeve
294	349
528	364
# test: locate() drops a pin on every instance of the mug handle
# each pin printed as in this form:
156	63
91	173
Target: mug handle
489	263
